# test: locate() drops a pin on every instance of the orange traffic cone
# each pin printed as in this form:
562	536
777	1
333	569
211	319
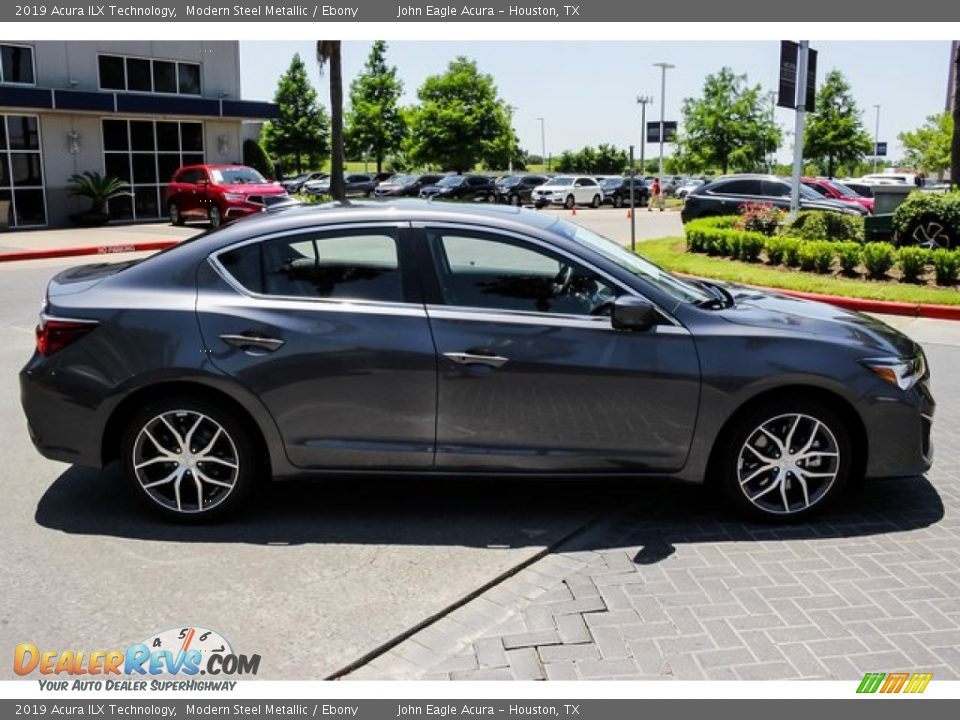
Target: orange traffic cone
573	210
628	214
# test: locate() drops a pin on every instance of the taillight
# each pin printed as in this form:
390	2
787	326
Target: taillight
55	335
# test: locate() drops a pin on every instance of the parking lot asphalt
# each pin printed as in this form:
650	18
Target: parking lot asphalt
651	580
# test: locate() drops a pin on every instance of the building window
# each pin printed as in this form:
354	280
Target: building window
146	154
145	75
21	172
16	64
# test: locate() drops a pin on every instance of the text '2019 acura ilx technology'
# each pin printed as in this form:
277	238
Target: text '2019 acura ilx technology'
414	338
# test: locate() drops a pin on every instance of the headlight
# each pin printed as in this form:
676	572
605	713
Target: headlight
234	197
902	372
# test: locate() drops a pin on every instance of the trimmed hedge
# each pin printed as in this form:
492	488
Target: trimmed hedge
944	207
716	237
822	225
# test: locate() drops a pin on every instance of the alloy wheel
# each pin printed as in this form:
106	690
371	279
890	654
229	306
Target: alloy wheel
185	461
788	464
932	235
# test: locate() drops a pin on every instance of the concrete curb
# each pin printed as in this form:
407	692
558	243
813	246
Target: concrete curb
89	250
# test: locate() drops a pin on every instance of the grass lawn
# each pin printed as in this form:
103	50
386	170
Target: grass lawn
670	253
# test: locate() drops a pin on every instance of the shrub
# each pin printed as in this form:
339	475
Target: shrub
751	245
791	252
912	262
816	256
944	207
946	266
878	257
730	244
775	248
849	254
823	225
763	218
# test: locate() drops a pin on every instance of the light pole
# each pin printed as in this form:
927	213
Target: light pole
876	138
664	66
643	101
543	142
803	54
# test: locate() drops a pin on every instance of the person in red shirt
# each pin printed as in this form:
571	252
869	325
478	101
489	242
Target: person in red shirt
656	197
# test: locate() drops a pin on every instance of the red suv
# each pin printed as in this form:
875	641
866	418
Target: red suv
838	191
218	192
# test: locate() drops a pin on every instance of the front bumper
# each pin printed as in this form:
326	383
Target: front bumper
898	429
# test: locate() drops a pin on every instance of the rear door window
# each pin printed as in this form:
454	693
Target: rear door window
359	264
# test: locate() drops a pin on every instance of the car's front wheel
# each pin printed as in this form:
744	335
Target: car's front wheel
569	202
216	219
173	212
617	201
515	200
189	460
597	200
786	460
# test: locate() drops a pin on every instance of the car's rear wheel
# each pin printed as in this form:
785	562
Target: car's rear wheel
597	200
216	219
189	460
173	212
569	202
786	460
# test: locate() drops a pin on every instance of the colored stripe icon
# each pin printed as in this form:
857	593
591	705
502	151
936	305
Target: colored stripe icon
900	682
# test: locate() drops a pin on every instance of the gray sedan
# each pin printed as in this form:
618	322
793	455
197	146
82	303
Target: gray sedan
414	338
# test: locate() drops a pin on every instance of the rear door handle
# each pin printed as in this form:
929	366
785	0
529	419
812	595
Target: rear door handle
466	358
252	341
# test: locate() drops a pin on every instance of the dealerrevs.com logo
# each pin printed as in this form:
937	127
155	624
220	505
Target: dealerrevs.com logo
185	652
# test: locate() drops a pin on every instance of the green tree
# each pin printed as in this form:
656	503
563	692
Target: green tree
729	126
460	120
604	160
256	157
375	125
928	146
328	56
302	128
835	136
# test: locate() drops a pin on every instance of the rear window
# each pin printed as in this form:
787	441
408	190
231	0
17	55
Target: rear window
356	265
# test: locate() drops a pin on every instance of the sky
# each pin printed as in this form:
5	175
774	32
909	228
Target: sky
586	91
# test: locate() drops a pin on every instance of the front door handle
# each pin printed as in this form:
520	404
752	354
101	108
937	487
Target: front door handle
466	358
252	341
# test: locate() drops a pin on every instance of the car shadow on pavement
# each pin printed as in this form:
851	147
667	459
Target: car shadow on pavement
654	515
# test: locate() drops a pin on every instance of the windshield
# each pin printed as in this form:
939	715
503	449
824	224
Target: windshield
843	189
452	181
237	176
611	182
400	180
560	181
673	286
509	180
809	194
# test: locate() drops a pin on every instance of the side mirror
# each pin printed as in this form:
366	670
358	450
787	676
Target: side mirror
633	313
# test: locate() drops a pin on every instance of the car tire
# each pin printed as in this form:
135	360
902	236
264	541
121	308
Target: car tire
570	202
515	200
225	480
173	212
215	217
597	201
617	201
785	460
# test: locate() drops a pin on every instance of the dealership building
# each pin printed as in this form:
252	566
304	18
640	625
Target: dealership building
133	110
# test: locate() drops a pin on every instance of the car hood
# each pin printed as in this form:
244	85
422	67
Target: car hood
760	308
438	189
255	189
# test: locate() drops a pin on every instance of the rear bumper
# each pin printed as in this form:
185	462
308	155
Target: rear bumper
61	428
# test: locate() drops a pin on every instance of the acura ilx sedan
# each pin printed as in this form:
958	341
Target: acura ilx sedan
416	338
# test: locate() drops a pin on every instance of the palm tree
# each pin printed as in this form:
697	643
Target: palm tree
328	51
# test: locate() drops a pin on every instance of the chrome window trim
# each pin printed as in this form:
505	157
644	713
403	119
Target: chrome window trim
427	225
521	317
381	307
